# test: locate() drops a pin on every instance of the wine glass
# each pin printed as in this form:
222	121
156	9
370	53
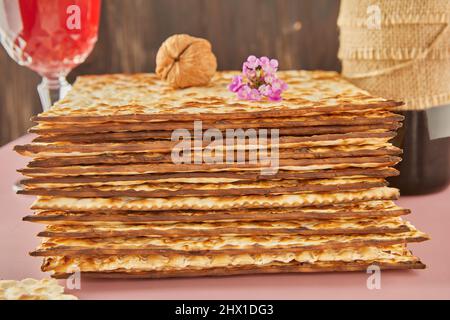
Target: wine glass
50	37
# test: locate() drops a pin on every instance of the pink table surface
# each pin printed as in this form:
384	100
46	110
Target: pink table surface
430	214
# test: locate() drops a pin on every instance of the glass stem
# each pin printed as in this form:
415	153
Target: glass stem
52	89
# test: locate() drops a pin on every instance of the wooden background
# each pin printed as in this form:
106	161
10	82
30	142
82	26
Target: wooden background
299	33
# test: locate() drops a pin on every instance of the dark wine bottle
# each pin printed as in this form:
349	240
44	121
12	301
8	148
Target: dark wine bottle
426	163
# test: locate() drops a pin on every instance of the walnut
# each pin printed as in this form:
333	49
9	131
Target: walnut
185	61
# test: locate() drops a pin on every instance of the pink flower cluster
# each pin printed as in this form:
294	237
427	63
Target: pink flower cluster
258	80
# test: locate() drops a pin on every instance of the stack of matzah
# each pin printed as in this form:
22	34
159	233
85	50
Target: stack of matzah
114	203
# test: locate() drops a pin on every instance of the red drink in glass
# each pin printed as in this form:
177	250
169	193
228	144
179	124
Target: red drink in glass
50	37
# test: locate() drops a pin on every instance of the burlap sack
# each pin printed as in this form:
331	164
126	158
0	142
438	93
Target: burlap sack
406	56
422	84
399	42
354	13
